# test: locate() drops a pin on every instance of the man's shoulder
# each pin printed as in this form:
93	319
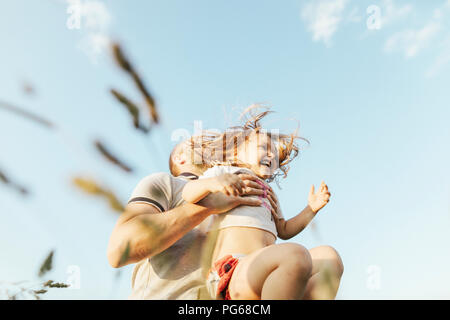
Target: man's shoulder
160	178
157	176
155	187
163	176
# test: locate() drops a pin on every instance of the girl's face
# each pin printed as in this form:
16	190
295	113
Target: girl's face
261	154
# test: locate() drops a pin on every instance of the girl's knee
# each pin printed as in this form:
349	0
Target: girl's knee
329	253
298	257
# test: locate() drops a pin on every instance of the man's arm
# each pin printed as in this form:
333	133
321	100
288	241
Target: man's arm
142	231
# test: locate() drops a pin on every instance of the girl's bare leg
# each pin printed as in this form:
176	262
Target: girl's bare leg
279	271
327	269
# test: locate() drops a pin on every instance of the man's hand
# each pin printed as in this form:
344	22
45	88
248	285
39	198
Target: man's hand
236	184
318	200
275	210
252	185
218	202
227	183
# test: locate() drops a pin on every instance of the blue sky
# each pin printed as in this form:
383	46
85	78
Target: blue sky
367	81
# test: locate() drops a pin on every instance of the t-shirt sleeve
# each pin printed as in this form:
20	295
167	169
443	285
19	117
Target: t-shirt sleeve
155	190
218	170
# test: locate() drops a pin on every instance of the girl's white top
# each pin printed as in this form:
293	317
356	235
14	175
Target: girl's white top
243	216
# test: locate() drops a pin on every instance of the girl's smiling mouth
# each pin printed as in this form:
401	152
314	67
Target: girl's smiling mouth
266	163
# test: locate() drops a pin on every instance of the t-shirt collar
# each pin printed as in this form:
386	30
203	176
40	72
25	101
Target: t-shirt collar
188	175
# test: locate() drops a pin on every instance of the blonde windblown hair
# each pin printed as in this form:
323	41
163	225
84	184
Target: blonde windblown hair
212	148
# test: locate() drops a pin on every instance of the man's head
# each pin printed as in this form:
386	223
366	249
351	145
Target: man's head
181	160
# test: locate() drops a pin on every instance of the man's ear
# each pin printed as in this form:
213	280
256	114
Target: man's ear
180	158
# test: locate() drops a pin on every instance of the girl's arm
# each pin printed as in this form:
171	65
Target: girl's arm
292	227
196	190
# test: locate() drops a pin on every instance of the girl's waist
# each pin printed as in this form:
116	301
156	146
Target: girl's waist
243	240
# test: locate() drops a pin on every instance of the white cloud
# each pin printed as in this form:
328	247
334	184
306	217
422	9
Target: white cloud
354	16
94	45
323	18
441	60
410	42
390	12
434	34
95	14
93	19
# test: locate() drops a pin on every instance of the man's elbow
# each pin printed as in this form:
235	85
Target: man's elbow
118	255
113	258
121	256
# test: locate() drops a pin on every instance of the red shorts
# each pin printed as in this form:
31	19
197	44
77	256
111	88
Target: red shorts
220	275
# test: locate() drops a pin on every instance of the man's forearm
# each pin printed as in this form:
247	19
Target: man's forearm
145	235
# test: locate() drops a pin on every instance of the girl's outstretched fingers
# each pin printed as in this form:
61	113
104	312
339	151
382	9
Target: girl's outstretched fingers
311	190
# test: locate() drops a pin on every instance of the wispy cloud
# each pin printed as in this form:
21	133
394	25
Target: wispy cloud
354	16
93	19
410	42
392	12
442	59
323	18
433	35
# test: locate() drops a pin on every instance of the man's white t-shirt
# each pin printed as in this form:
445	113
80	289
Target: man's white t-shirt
176	272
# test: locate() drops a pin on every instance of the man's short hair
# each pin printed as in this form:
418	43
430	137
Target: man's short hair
173	167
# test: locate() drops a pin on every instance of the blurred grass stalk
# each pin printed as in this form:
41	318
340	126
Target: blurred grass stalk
27	114
110	157
7	181
91	187
28	289
125	64
132	109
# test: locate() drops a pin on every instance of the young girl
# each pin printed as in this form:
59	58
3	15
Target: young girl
247	264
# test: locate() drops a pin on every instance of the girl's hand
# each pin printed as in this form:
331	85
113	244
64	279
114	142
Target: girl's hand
318	200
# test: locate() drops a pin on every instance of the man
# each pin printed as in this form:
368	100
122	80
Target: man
166	236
